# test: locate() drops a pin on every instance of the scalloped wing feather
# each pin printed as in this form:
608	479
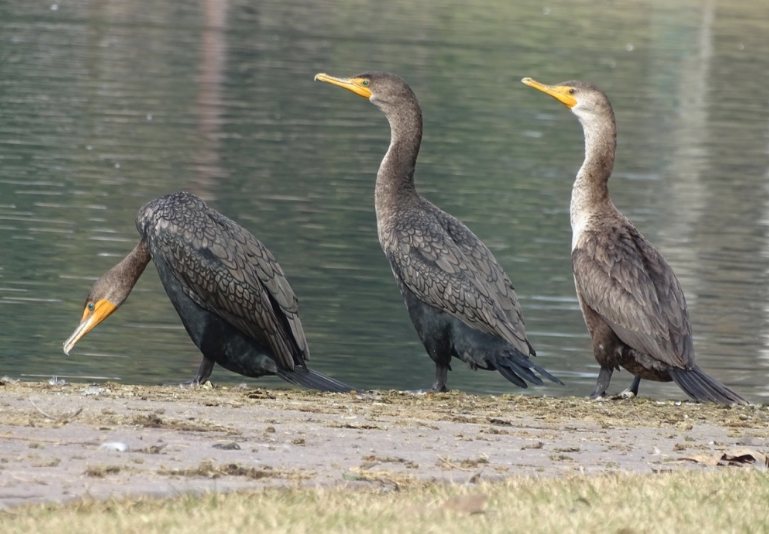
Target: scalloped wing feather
449	268
620	276
227	271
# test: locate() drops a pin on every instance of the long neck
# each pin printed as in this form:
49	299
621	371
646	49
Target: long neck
591	188
125	274
395	179
136	260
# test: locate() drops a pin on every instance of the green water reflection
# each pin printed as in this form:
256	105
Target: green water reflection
104	106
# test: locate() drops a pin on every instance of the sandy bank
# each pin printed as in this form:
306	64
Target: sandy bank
61	442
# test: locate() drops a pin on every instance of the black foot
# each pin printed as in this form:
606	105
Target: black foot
630	392
191	383
201	377
186	384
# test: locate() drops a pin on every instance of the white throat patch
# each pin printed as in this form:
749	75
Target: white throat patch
579	214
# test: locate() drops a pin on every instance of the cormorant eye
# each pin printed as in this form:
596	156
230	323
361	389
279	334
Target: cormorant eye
90	306
364	82
571	91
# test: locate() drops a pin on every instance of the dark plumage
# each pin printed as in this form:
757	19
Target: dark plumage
460	300
229	291
632	302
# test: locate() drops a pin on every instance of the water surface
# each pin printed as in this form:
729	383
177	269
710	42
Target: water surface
105	106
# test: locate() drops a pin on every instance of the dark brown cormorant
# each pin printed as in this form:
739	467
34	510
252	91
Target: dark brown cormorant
460	300
229	291
632	302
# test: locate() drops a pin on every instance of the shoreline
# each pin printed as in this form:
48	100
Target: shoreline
64	442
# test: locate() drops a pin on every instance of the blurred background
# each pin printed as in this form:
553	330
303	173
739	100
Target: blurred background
105	105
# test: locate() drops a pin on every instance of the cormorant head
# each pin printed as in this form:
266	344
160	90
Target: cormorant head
381	88
109	292
585	100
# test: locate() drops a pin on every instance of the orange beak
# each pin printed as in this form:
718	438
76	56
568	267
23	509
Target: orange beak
101	310
356	85
562	93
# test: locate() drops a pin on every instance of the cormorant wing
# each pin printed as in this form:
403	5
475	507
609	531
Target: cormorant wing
487	268
436	269
624	279
227	271
268	270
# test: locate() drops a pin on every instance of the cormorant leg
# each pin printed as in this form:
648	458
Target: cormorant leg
632	391
203	374
441	375
204	371
604	377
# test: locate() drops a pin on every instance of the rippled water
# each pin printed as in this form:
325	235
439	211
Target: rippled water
104	106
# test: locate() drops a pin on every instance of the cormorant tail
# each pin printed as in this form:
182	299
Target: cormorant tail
523	372
547	375
702	387
516	367
512	377
301	376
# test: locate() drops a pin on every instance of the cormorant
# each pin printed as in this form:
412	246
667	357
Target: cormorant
460	300
228	290
633	305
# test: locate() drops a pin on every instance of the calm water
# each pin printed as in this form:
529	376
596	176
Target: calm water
106	105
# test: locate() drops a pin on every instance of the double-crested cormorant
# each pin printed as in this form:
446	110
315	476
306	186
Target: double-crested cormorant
229	291
632	302
460	300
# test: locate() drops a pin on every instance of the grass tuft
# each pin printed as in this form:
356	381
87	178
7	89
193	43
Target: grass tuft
730	500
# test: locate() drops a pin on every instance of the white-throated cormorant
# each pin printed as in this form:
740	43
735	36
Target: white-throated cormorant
632	302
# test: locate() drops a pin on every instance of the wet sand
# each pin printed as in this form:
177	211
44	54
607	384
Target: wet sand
64	442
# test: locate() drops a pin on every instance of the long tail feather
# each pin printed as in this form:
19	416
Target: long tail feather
517	367
512	377
702	387
308	378
547	375
524	372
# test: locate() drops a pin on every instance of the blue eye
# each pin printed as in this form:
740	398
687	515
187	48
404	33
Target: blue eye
365	82
90	306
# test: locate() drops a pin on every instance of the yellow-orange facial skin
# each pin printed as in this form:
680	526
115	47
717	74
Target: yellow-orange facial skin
359	86
91	317
562	93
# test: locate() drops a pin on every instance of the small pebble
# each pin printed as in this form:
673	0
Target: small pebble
231	446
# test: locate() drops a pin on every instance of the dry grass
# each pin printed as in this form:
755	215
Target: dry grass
733	500
712	499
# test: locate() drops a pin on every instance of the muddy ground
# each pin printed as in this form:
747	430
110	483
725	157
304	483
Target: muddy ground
62	442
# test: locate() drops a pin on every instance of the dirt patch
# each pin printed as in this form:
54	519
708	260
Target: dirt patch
63	442
209	469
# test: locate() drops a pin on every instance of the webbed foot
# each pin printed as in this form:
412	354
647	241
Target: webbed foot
631	392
